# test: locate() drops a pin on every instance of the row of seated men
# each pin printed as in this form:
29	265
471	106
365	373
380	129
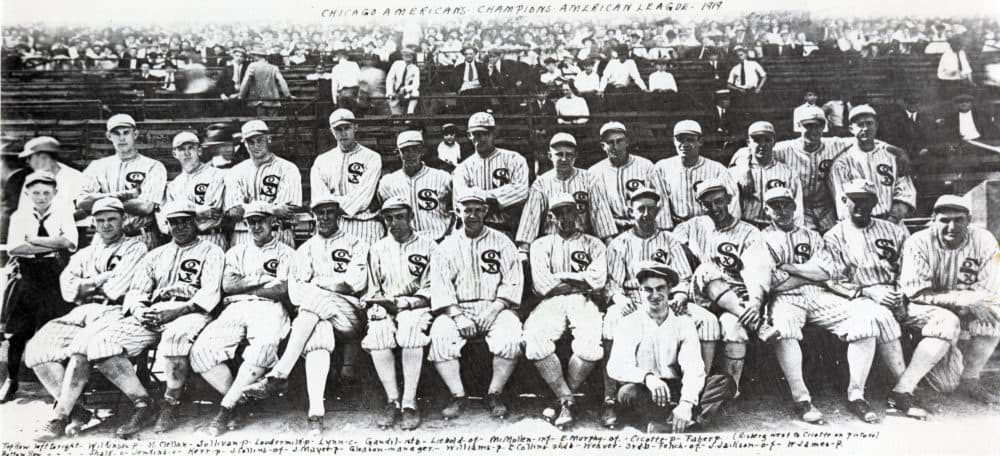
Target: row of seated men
735	288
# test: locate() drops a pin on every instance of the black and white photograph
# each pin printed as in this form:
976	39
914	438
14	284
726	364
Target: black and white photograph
497	227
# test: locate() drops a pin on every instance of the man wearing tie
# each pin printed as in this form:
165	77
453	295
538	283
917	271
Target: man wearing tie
232	75
403	82
470	79
954	71
746	79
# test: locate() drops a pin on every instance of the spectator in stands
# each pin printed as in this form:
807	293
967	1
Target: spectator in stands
661	81
620	77
954	72
551	77
263	85
448	149
722	119
746	79
345	79
588	83
403	84
809	101
469	79
508	79
570	108
372	87
905	125
966	123
569	68
232	75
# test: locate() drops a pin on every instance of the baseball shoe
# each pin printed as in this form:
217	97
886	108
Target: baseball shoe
53	429
975	390
906	404
660	426
390	413
565	418
169	414
411	419
316	426
497	408
549	414
78	418
808	413
609	416
8	390
141	418
266	387
861	409
220	423
454	409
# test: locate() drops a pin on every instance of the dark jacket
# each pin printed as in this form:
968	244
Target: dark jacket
458	76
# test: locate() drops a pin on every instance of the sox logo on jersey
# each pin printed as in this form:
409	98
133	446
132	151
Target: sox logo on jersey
775	183
886	250
582	202
581	260
491	261
112	262
802	252
190	272
199	193
729	258
428	199
885	171
341	259
418	263
135	178
270	185
271	266
501	176
969	271
824	169
354	172
659	256
632	185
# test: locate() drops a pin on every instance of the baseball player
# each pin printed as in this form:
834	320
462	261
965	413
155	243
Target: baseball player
592	204
426	190
174	289
199	184
95	280
351	172
676	177
870	160
621	171
761	172
796	301
399	309
327	274
138	181
255	286
954	266
568	268
264	177
502	173
477	281
725	246
646	242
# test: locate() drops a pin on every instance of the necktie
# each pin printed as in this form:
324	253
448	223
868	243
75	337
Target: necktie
913	117
236	74
743	74
402	80
468	71
42	232
959	58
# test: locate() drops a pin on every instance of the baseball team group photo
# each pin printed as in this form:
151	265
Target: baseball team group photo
655	224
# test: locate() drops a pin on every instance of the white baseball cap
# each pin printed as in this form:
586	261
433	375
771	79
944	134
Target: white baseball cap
859	187
396	202
687	127
860	110
645	191
760	127
254	128
777	193
340	117
178	209
474	195
812	114
612	126
481	121
709	185
120	120
562	138
409	138
107	204
258	209
560	200
329	199
953	202
185	137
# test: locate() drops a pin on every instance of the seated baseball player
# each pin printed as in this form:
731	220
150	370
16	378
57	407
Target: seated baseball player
645	241
173	290
795	301
568	268
657	358
477	281
399	309
954	266
725	245
325	277
95	279
254	283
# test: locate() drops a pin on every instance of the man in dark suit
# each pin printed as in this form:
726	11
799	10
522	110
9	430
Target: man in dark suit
906	125
507	79
722	118
966	123
471	79
232	74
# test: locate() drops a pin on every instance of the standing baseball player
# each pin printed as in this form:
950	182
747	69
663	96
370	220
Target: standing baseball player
760	172
138	181
621	173
501	173
676	177
398	301
95	279
199	184
174	289
954	266
594	217
350	172
255	286
264	177
568	268
327	274
425	189
477	281
796	301
870	160
726	246
646	242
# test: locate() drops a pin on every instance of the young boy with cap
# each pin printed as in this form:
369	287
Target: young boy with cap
448	149
42	154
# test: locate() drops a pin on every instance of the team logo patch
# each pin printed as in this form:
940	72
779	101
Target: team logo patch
136	178
428	199
824	169
112	262
582	201
729	258
501	177
354	172
633	184
660	256
341	258
802	253
968	272
491	261
581	261
190	272
271	266
886	250
199	193
885	171
773	183
269	185
694	187
418	264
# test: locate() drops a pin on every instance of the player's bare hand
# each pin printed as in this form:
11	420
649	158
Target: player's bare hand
750	317
884	295
628	306
389	304
180	289
682	417
659	390
985	313
284	211
204	212
165	312
235	213
486	318
466	327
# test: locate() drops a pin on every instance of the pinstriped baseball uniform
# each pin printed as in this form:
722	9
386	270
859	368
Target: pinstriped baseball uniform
676	183
579	254
400	269
618	182
318	264
503	175
277	182
203	187
262	322
877	167
625	253
112	175
764	178
471	273
70	334
197	269
354	177
591	204
423	191
928	265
